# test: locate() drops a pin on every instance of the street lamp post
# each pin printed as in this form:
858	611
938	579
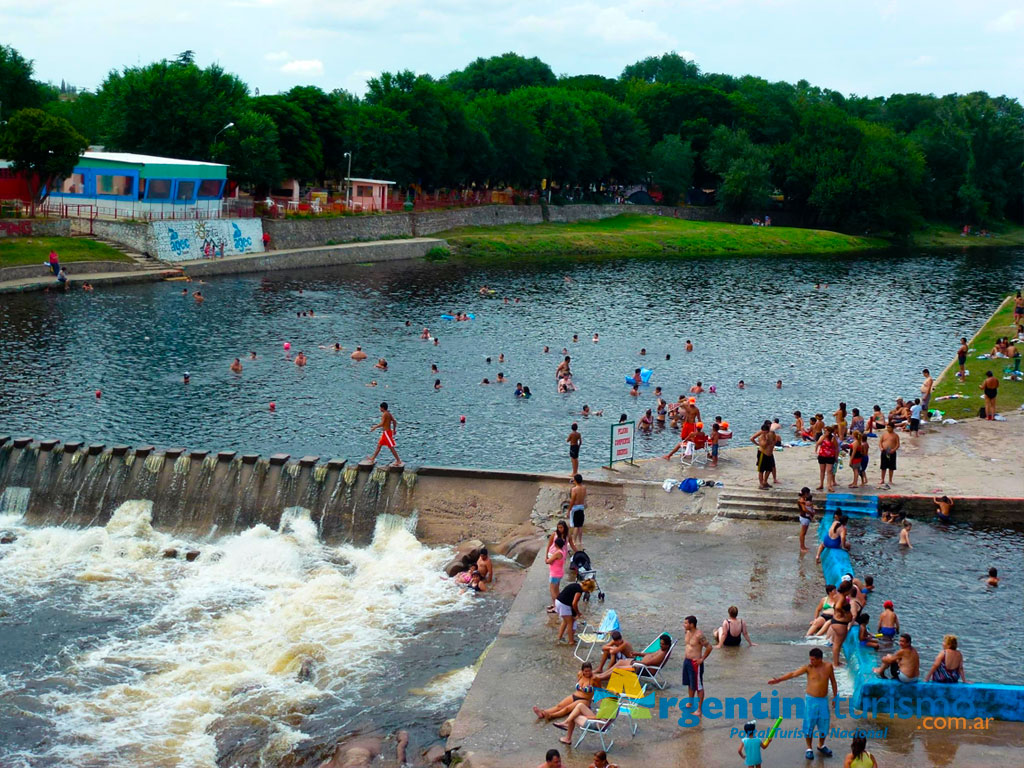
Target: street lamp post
218	133
348	182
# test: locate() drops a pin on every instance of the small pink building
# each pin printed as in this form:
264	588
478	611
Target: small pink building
368	194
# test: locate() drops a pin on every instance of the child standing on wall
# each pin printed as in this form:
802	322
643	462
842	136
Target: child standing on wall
266	240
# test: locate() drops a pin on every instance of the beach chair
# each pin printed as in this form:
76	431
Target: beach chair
601	728
595	636
648	672
694	456
636	705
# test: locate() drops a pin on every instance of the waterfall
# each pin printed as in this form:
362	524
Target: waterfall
14	501
182	464
351	472
320	473
154	463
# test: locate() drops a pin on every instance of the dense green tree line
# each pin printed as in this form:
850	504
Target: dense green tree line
845	162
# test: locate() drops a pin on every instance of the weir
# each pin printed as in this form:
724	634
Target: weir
53	483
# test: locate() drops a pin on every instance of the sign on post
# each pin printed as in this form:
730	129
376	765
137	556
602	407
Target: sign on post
621	447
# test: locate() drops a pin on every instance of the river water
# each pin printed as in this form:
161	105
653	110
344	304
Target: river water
864	339
269	644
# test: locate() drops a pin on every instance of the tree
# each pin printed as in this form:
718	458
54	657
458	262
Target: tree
84	112
250	150
297	141
743	167
667	68
333	116
672	163
517	156
41	147
170	109
17	88
502	74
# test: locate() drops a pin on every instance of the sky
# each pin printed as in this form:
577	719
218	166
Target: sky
862	47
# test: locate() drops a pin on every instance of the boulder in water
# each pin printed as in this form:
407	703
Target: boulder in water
446	728
171	553
306	670
6	537
191	555
358	752
433	755
470	546
401	743
525	552
455	566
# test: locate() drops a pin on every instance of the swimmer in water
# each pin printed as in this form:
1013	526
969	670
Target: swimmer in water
689	346
236	367
595	339
546	350
993	577
338	347
186	378
635	391
381	364
697	388
942	508
905	535
373	383
433	368
778	384
588	412
184	291
425	334
300	359
252	355
575	338
358	354
741	385
198	297
437	341
643	350
437	383
486	381
501	357
501	378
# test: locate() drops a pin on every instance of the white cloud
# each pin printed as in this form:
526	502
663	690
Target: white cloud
277	56
1010	21
356	82
922	61
613	25
304	67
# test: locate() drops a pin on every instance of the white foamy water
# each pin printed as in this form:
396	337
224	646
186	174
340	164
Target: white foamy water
230	632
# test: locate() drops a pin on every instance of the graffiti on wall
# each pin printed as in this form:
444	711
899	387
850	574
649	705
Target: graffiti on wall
207	238
15	228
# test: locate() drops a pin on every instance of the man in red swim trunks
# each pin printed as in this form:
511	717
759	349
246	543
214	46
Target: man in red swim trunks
691	414
386	426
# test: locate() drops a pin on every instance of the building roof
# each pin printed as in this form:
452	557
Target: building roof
369	181
131	157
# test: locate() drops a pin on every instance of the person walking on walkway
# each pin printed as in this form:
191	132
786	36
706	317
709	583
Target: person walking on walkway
54	262
990	387
386	425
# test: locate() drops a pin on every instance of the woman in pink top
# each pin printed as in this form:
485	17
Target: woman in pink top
557	557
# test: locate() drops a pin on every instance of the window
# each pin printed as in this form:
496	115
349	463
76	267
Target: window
186	191
120	186
210	188
73	184
158	189
363	190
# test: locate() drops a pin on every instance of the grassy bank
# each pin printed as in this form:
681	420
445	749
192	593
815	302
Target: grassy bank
1011	393
945	236
28	251
647	236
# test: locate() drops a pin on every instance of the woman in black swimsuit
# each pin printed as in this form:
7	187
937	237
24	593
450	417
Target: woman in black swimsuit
733	630
842	615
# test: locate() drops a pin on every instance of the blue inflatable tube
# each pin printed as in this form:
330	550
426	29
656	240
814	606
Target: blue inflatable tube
470	315
645	377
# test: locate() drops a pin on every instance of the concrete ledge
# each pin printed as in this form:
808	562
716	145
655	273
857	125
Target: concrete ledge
326	256
42	273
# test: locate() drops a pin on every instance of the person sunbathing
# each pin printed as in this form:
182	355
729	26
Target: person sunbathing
636	663
578	716
584	693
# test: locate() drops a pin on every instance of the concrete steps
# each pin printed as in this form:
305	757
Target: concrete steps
758	505
139	258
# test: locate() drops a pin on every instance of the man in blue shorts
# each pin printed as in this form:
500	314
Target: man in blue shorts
816	712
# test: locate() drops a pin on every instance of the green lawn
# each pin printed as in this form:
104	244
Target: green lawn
22	251
1011	393
937	235
647	236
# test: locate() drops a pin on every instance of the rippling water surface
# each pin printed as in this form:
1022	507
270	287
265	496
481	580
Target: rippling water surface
863	340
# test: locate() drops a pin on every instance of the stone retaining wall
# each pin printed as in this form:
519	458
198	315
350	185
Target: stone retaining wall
35	228
137	235
350	253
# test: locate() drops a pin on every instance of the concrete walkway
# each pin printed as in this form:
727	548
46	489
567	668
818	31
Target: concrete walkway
658	562
48	282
